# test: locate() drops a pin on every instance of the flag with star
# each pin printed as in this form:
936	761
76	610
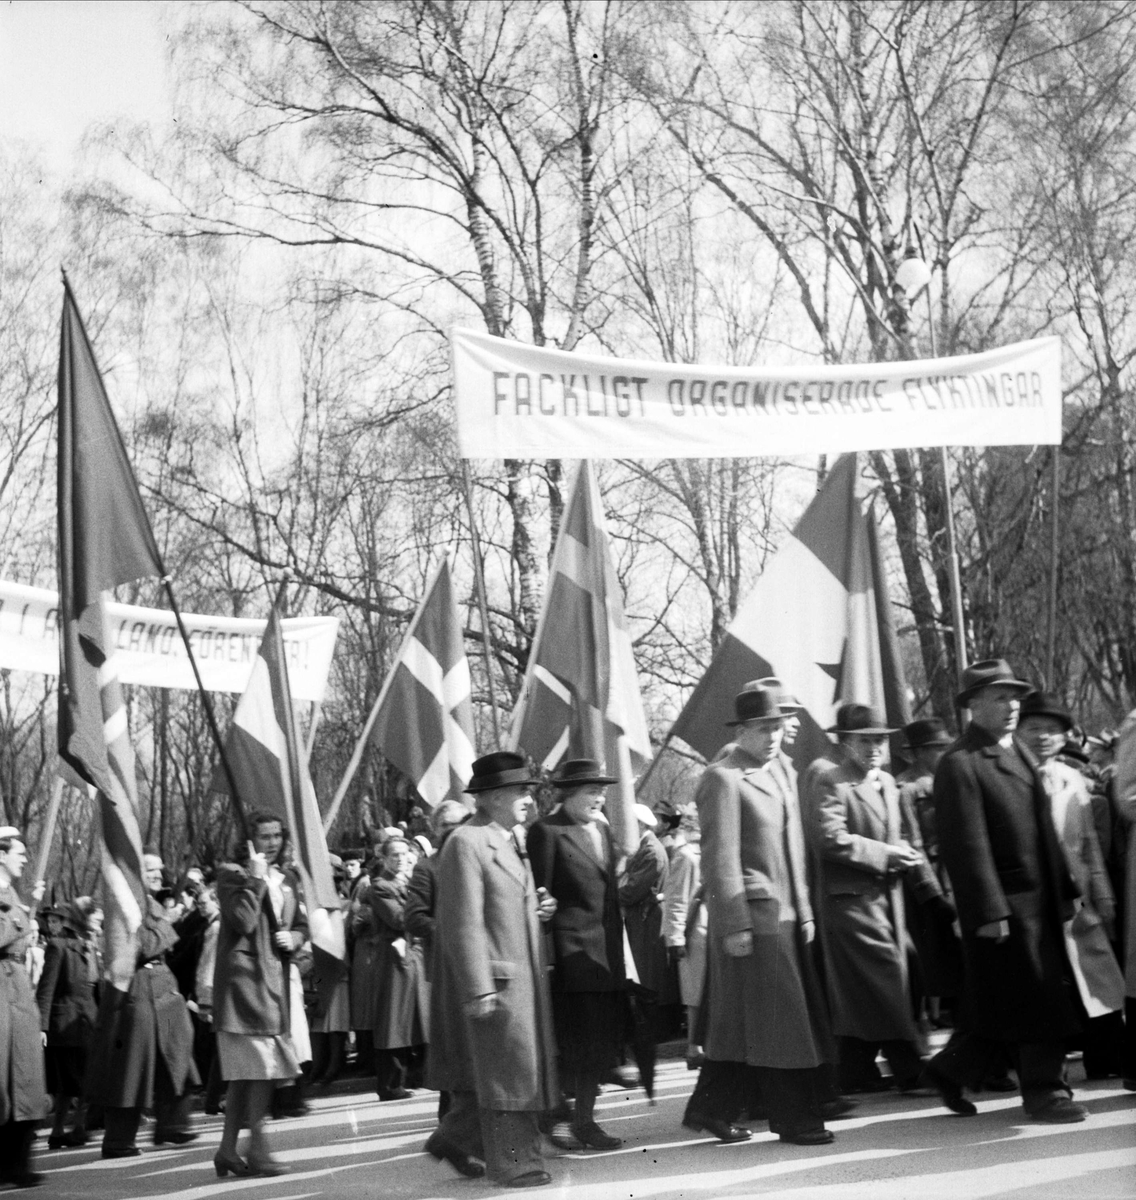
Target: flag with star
819	619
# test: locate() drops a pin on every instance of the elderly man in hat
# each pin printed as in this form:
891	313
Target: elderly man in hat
926	741
491	1042
1044	725
854	821
1014	891
766	1028
574	858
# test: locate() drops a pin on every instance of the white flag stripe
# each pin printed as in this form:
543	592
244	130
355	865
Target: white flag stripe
457	685
114	726
434	782
424	667
558	751
552	683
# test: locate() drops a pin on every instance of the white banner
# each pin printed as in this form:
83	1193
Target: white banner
150	651
520	401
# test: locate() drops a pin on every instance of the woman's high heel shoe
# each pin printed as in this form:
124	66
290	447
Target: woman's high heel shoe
231	1166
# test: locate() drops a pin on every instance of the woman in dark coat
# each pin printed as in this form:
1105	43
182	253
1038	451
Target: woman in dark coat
23	1098
141	1053
68	1009
402	1001
573	858
258	1010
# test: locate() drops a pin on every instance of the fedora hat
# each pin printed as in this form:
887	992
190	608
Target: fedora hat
859	718
1046	704
578	772
756	702
990	672
931	731
786	701
502	768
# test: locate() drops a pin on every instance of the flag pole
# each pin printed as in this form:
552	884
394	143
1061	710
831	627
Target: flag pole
652	765
482	600
206	700
47	834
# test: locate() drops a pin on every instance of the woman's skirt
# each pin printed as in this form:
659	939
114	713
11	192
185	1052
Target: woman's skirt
268	1056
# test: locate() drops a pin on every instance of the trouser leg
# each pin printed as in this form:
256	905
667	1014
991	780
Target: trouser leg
857	1070
967	1059
171	1109
1128	1056
791	1097
120	1127
390	1071
1104	1041
587	1089
719	1093
904	1060
512	1144
16	1138
461	1126
1041	1073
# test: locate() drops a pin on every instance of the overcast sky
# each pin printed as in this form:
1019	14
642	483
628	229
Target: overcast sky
67	63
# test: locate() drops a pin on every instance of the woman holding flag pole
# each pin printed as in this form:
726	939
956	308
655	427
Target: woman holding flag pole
257	1002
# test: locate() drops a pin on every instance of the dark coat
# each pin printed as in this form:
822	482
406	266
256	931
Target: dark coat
23	1094
136	1027
640	894
766	1009
402	999
251	993
999	846
853	826
65	993
587	930
489	940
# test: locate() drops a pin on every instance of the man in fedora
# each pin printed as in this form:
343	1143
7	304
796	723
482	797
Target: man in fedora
766	1028
491	1041
854	819
574	859
1013	890
926	741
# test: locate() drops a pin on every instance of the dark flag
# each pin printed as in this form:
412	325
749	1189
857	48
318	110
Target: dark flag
105	540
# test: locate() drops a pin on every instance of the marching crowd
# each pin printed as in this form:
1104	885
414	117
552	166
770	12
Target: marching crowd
807	930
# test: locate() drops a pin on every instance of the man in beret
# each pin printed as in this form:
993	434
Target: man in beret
1014	891
492	1044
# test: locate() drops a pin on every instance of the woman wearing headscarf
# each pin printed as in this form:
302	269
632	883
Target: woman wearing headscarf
402	1000
23	1097
258	1010
68	1008
573	858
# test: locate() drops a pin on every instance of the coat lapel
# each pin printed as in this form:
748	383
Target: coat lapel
506	855
581	839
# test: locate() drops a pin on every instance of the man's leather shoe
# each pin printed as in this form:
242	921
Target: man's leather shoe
25	1179
999	1083
121	1152
722	1130
530	1179
809	1137
949	1092
1060	1111
595	1138
464	1164
176	1137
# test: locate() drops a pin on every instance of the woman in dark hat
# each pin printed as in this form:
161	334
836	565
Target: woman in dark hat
1044	726
23	1098
68	1010
402	1000
573	857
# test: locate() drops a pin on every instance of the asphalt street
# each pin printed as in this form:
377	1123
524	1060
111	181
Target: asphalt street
352	1146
